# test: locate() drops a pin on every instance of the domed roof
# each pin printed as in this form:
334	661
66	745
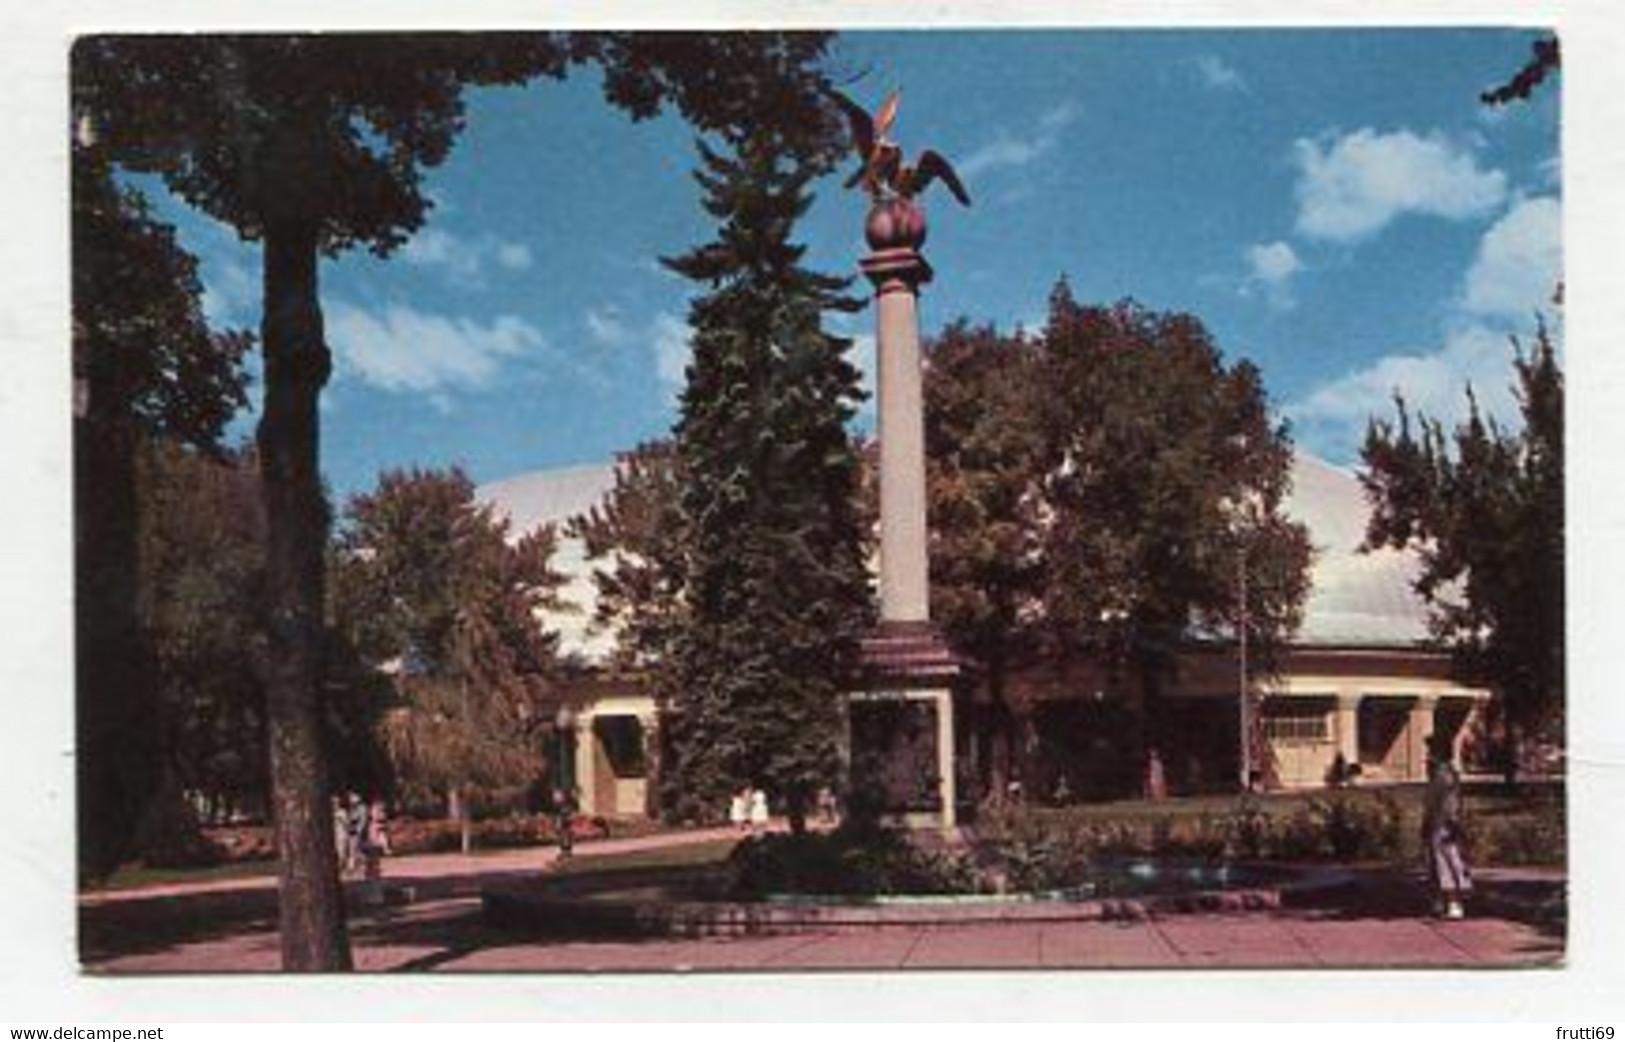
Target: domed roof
1355	599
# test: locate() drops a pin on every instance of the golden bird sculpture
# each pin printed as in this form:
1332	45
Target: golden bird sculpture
883	174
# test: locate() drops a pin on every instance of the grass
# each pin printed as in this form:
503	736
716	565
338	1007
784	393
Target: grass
135	877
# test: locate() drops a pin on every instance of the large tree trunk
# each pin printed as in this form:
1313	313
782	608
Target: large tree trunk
310	901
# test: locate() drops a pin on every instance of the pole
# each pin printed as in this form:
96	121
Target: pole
1243	699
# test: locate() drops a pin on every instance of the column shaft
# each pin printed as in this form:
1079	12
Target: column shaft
904	577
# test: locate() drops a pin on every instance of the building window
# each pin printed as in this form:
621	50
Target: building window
1296	723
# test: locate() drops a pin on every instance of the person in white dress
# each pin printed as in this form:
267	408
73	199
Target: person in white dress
758	810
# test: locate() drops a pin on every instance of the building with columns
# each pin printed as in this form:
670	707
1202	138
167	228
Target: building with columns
1358	679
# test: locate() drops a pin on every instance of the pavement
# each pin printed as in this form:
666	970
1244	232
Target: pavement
1378	921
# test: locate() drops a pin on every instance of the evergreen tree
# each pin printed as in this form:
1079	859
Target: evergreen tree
775	586
1483	509
633	532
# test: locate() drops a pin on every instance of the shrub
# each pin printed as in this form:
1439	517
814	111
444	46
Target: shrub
847	862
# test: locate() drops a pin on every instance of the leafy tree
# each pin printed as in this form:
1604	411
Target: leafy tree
985	455
429	585
314	144
775	587
145	366
1483	509
1162	471
634	532
1545	59
202	607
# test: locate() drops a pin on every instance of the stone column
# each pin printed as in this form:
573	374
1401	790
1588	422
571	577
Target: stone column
586	765
897	274
1417	731
906	658
946	783
1348	728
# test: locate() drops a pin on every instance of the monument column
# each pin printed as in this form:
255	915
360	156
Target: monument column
897	274
906	658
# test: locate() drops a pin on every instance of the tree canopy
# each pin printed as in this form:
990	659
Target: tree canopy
1099	492
1482	506
430	587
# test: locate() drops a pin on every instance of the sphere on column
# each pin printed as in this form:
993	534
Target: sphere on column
895	224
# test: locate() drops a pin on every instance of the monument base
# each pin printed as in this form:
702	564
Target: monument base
908	664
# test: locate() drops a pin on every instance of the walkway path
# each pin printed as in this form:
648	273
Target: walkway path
226	926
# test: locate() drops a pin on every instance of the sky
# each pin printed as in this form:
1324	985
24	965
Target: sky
1335	205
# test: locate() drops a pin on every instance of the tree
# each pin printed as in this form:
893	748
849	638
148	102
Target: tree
145	366
775	587
430	586
1483	509
985	488
634	532
314	144
1164	477
202	608
1545	59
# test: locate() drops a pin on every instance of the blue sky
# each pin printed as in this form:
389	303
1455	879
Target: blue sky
1335	205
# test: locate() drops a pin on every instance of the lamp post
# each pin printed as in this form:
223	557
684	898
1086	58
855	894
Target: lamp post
1245	514
564	726
1244	698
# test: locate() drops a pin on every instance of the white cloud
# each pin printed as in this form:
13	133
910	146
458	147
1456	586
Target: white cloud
862	356
1352	186
607	326
1218	74
1519	262
463	259
515	256
1332	419
403	349
672	351
231	293
1017	150
1273	262
1271	266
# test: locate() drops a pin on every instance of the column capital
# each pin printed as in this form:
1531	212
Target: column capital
896	270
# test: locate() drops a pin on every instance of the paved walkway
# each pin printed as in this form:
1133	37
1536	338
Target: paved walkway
230	926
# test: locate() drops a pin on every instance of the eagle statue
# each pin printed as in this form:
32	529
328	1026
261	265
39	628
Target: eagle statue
883	174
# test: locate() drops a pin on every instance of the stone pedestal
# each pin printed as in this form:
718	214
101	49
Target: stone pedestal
906	658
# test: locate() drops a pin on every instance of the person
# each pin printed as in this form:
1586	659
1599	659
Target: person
377	830
758	809
828	813
1442	837
356	843
738	812
564	812
341	833
1156	778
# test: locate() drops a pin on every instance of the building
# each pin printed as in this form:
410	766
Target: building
1357	681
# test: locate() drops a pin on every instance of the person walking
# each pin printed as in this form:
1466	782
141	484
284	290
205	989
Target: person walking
758	810
739	809
1442	838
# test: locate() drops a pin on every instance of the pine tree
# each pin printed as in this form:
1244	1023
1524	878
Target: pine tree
775	585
